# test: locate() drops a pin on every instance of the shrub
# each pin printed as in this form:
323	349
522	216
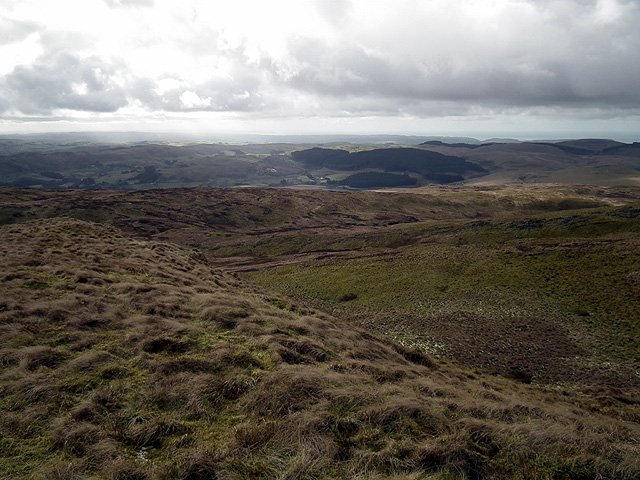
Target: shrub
348	297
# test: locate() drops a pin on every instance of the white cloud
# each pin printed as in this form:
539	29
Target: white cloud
191	100
23	52
314	58
129	3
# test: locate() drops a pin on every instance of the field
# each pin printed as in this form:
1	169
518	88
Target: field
431	333
521	300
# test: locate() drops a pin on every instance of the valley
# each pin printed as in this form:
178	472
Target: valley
379	164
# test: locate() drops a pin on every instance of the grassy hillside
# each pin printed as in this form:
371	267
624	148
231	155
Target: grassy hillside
536	301
131	359
441	332
590	161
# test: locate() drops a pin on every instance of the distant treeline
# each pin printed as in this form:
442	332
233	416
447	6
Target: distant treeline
433	165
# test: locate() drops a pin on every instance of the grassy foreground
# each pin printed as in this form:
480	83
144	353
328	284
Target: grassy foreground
437	333
125	358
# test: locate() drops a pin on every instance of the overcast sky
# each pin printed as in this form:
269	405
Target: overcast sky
433	67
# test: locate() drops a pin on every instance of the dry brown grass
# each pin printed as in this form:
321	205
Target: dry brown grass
124	359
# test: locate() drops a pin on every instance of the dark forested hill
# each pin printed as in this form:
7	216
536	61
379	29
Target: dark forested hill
377	180
387	159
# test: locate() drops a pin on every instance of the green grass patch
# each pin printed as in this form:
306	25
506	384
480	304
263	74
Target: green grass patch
592	283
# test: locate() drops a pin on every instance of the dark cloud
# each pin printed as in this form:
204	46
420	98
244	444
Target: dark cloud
144	90
62	81
595	76
13	31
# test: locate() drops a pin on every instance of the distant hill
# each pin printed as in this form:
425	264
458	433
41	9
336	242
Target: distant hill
438	143
435	167
133	166
632	150
592	145
589	161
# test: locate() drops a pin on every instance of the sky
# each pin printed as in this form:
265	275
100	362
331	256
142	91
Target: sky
517	68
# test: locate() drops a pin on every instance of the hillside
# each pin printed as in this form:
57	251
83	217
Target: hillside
473	332
127	358
586	161
145	165
429	166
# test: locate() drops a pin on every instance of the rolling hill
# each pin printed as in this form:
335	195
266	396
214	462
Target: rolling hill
587	161
134	166
129	358
436	332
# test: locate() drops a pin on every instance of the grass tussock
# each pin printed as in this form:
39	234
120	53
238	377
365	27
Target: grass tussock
132	359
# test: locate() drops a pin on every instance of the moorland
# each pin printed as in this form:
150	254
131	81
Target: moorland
478	327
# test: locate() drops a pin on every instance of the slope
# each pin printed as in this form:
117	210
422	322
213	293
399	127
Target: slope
125	358
548	273
588	161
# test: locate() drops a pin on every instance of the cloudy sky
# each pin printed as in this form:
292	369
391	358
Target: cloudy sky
527	68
